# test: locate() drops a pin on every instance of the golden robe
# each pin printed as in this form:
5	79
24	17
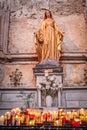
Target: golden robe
48	40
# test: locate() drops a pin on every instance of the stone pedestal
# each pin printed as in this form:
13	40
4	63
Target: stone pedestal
53	68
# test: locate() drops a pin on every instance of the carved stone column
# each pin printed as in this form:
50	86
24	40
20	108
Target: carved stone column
4	24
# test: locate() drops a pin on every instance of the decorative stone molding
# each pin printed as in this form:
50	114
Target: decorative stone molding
67	57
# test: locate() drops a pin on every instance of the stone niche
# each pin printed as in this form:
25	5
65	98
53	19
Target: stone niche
53	68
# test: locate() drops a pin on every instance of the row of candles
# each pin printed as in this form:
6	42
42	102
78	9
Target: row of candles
32	117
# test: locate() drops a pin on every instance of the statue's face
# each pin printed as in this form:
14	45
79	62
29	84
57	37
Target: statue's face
48	14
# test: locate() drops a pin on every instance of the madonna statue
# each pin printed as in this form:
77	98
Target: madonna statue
48	39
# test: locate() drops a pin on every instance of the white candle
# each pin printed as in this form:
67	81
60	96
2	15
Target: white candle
13	120
39	98
8	115
60	85
46	73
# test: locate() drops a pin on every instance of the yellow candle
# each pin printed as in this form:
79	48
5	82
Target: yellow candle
58	122
2	120
17	118
32	122
22	118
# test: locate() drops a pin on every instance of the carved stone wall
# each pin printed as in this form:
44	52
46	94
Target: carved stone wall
74	75
27	81
26	18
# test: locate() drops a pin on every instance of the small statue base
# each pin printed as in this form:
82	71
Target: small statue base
51	65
